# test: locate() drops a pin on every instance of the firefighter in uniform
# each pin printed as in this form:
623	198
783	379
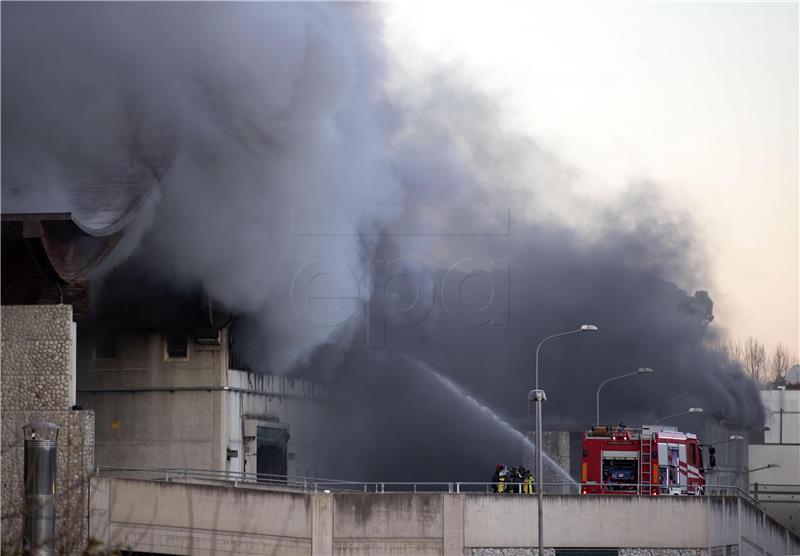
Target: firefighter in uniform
502	475
496	477
510	480
527	481
519	479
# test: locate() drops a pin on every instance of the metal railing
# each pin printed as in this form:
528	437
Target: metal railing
316	484
776	493
202	475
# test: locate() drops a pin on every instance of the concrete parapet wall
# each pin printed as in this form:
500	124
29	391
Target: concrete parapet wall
759	532
390	516
504	521
180	518
171	518
627	521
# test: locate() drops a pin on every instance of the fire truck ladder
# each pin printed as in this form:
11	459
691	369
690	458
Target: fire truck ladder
645	464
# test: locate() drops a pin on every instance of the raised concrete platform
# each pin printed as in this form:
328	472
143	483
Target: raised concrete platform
180	518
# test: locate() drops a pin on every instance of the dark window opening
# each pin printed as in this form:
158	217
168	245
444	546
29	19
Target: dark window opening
271	454
235	358
104	348
177	346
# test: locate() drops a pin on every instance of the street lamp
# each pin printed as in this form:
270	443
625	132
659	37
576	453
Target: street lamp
768	466
582	328
539	396
729	439
690	410
640	371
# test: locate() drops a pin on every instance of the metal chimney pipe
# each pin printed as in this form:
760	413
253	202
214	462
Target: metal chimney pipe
41	443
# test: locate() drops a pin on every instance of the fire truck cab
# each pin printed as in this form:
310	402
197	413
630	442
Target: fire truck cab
651	460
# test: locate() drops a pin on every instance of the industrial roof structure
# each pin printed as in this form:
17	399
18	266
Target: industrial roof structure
47	256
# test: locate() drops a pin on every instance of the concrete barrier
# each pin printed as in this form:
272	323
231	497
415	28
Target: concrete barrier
181	518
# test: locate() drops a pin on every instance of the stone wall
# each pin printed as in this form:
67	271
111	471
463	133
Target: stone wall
37	382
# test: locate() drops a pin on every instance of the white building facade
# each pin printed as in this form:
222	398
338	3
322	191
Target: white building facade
774	466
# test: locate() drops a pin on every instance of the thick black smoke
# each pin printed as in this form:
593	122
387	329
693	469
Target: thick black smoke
618	270
257	109
272	111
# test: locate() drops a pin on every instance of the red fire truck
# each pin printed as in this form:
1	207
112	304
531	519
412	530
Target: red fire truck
651	460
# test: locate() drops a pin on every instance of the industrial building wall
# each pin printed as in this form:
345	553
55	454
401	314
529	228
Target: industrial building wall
778	489
157	412
37	382
139	360
153	429
273	401
782	408
153	411
778	486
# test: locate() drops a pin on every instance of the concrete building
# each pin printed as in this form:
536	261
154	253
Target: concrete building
169	399
159	368
774	465
159	378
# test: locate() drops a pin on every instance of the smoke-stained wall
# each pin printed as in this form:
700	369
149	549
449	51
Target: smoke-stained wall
356	222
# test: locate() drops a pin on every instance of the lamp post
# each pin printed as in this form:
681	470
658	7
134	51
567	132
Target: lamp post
729	439
539	396
768	466
690	410
582	328
755	485
640	371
